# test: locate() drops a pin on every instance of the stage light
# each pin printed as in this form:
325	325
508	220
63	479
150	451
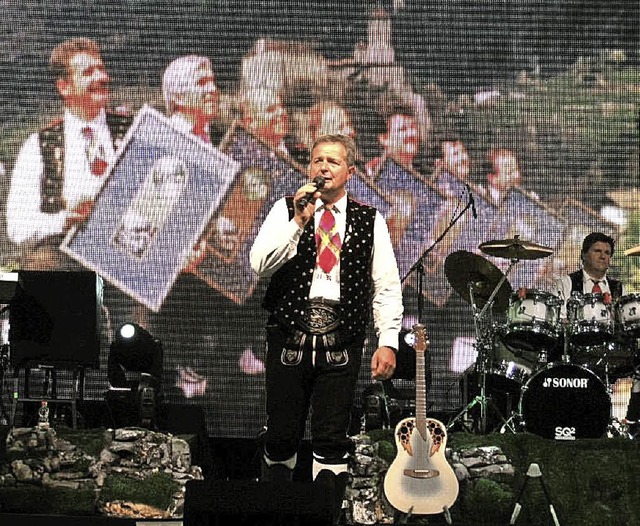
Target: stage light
127	330
135	373
133	351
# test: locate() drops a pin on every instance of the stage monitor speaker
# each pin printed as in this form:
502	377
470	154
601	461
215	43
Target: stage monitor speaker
54	318
252	503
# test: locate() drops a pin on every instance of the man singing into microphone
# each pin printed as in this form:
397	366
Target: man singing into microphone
330	263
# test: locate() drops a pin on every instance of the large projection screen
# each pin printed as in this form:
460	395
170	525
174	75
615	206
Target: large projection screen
531	107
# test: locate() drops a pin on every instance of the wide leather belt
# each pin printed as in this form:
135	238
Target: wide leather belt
319	318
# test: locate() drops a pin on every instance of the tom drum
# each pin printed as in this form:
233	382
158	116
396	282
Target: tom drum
592	322
627	314
532	320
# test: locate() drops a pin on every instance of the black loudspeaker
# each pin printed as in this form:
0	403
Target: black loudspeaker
252	503
54	318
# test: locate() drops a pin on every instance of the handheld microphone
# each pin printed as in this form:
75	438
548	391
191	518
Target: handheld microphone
472	202
318	181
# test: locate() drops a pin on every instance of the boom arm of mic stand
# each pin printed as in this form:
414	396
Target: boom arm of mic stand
419	262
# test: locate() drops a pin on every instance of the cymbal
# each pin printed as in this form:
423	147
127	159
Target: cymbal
515	248
464	269
633	251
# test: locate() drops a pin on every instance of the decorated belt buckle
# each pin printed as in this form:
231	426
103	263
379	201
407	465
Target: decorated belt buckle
320	319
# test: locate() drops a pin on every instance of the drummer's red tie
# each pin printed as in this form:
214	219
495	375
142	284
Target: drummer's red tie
328	241
596	287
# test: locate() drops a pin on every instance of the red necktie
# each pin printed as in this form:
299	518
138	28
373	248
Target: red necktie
328	241
596	287
201	132
95	152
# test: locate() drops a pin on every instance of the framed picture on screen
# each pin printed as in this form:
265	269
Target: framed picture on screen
157	200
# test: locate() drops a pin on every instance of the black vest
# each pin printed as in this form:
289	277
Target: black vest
615	286
52	151
288	290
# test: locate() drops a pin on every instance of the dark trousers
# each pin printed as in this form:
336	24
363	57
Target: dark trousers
297	378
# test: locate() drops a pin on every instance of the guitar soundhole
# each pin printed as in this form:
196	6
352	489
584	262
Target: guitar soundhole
434	428
437	433
404	434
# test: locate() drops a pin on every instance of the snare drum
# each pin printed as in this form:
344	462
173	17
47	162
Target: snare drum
627	314
508	369
593	324
532	320
565	402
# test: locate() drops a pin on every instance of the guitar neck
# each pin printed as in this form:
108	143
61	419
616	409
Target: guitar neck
421	384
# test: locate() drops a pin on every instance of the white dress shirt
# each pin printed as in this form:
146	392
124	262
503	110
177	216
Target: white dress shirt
562	288
25	220
277	242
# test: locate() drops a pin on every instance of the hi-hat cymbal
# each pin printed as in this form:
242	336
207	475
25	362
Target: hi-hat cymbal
515	248
633	251
465	269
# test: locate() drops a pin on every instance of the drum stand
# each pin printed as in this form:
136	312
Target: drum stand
481	400
483	348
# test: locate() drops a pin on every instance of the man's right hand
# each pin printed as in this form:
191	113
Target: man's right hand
305	213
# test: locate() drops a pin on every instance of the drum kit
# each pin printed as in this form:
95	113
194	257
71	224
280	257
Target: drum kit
559	369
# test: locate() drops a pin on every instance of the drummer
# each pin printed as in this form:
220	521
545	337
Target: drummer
597	251
596	254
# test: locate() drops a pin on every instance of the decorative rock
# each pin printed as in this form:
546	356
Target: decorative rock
497	472
130	434
180	453
134	452
107	456
462	473
366	503
120	447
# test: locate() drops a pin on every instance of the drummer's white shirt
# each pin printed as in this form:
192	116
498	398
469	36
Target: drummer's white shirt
562	288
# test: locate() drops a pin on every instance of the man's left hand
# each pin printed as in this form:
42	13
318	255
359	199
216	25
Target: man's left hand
383	363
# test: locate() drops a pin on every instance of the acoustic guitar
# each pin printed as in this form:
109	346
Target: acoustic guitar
420	481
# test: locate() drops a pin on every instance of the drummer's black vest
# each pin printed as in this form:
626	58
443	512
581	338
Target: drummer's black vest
615	286
52	151
289	287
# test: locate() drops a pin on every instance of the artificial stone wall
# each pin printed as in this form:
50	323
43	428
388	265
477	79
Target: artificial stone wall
37	460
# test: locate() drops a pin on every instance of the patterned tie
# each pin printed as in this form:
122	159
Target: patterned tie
202	133
95	152
596	287
328	241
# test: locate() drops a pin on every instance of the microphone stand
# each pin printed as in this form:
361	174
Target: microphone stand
418	266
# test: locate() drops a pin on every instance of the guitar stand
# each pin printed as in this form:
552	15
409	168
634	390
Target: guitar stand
533	472
513	423
402	518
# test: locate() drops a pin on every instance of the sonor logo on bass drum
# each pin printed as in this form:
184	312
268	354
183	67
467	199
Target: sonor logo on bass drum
575	383
565	433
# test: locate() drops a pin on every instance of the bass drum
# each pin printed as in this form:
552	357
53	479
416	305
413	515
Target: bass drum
565	402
